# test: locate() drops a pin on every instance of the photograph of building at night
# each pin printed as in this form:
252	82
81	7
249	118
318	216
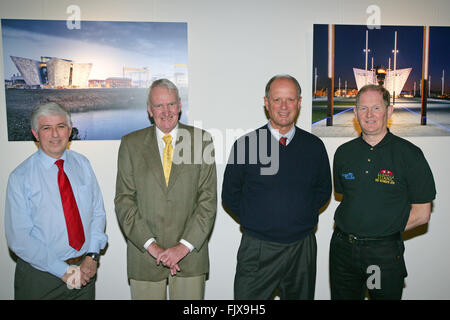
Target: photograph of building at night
392	56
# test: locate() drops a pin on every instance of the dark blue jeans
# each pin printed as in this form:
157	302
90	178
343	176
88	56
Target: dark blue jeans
376	265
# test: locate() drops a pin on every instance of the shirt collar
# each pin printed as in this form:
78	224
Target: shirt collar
173	133
387	137
48	161
277	135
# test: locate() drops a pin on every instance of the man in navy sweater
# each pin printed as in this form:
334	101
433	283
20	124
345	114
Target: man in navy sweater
276	180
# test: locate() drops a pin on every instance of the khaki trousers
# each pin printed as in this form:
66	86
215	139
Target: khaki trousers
180	288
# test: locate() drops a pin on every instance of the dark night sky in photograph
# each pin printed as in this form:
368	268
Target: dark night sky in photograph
350	40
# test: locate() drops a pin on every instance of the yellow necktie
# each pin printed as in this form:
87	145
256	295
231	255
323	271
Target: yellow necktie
167	157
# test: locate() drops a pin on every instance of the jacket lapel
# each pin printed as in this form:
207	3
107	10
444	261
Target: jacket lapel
152	157
178	152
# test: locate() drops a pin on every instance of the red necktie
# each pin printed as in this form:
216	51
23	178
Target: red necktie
283	140
73	220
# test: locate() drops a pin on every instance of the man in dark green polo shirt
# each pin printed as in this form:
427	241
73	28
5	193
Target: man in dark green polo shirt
387	187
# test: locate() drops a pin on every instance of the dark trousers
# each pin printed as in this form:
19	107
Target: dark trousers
263	267
376	265
33	284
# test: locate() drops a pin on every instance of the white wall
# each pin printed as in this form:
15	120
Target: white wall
234	48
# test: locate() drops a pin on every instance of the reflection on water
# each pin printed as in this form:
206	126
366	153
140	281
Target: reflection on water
113	113
110	124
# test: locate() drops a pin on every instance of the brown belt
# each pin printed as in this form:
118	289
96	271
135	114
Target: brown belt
74	260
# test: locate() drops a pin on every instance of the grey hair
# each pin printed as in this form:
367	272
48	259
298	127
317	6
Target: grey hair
374	87
284	76
163	83
48	109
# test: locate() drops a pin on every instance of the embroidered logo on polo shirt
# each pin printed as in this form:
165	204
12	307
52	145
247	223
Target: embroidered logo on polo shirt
385	176
348	176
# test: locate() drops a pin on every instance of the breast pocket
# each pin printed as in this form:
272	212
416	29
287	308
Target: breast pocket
83	197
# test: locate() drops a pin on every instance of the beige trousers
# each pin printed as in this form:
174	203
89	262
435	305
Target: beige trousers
189	288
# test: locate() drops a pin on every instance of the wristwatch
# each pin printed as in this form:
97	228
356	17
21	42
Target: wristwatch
93	255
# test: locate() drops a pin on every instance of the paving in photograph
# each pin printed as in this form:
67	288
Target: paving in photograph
405	120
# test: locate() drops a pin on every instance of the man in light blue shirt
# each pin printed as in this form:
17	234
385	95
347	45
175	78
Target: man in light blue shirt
35	222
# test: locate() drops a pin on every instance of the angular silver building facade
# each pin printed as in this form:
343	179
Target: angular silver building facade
393	82
29	69
80	74
58	72
53	72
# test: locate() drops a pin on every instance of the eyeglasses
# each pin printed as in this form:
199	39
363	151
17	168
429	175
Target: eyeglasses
375	109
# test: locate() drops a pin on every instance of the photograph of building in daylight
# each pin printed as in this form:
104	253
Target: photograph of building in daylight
409	61
101	72
52	72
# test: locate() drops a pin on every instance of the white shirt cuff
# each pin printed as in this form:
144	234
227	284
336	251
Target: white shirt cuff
187	244
148	243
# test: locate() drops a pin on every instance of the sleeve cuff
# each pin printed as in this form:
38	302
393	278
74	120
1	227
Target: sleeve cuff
182	241
187	244
59	269
149	242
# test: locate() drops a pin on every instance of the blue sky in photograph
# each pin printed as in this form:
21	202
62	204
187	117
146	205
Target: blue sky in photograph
110	46
350	40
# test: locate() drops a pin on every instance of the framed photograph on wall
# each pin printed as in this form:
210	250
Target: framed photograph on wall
100	72
404	59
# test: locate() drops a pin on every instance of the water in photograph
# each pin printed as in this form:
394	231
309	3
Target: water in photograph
109	124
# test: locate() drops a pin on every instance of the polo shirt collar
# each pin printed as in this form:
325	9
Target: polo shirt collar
383	141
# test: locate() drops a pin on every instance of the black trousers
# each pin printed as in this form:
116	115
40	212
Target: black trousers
33	284
376	265
263	267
